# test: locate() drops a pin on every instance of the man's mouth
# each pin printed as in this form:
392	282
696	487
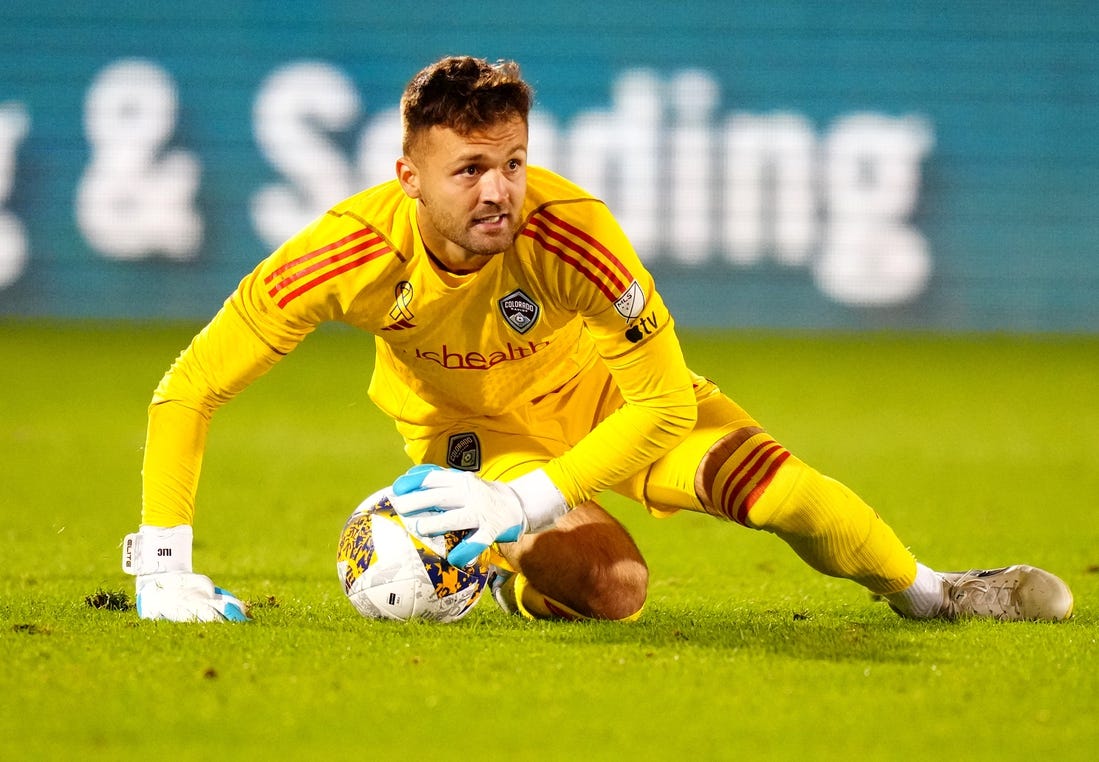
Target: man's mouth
490	221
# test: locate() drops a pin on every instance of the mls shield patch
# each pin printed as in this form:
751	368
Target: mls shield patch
632	302
519	310
463	451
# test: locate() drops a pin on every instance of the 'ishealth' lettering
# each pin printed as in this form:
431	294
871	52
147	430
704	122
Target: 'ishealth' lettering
479	360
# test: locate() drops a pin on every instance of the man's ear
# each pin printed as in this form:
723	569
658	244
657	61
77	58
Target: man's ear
408	176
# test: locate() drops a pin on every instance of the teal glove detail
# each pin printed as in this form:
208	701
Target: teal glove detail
441	500
186	597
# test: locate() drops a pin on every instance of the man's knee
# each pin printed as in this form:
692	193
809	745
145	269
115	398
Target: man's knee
618	591
737	471
588	562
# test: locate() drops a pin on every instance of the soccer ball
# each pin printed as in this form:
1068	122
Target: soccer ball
389	572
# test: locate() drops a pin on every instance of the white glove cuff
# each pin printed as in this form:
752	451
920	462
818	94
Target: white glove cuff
542	502
154	550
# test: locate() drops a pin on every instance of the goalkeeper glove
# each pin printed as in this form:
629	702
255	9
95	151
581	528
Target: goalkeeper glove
445	500
167	588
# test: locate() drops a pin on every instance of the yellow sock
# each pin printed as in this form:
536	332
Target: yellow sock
763	486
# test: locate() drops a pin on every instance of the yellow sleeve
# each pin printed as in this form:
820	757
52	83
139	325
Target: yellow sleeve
660	409
272	310
605	282
242	342
221	361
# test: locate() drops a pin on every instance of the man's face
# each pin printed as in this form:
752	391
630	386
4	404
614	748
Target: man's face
471	190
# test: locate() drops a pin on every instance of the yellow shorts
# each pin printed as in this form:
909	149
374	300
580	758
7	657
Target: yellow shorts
506	446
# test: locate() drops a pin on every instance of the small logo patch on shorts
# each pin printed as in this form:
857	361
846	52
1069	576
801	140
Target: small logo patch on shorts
463	451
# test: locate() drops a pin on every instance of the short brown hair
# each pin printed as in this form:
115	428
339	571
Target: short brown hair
464	94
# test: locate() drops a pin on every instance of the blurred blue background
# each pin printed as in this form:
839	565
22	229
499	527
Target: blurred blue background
854	165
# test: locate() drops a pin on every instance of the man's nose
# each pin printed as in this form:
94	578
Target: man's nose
493	187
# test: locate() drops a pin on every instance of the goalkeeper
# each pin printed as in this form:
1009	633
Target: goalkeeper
529	363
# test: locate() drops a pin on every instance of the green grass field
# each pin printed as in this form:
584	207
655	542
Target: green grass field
980	451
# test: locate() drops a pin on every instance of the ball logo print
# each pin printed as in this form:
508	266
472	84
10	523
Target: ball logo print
389	572
355	552
446	579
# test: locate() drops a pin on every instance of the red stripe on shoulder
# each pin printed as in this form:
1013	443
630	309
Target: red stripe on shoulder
567	258
308	271
317	253
586	253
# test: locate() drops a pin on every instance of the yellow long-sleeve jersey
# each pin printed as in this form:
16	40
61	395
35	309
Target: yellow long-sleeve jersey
569	293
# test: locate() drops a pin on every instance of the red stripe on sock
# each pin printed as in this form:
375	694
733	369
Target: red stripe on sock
738	495
743	474
759	489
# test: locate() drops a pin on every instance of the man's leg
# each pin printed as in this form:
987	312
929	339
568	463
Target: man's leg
586	567
730	467
748	477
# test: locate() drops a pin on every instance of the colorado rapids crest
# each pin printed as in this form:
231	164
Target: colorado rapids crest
519	310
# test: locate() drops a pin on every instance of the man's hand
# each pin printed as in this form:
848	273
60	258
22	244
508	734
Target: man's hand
167	588
444	500
186	597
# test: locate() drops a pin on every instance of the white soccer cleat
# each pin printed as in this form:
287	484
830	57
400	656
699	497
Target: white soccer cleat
1011	594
